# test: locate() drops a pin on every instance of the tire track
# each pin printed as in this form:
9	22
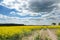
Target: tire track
51	35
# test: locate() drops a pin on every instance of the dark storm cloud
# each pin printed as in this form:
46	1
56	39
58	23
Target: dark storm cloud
41	6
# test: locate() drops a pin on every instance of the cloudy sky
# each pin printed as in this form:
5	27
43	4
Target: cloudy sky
30	12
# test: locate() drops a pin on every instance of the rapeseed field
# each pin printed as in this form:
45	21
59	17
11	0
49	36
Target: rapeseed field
19	32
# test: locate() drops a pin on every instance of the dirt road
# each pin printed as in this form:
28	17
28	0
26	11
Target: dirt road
43	34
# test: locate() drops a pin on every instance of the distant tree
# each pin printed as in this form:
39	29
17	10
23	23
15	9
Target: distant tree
53	23
58	23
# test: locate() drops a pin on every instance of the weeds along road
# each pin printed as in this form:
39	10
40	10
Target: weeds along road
41	35
31	37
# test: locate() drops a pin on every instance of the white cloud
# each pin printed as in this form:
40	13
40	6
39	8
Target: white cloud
29	20
18	6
